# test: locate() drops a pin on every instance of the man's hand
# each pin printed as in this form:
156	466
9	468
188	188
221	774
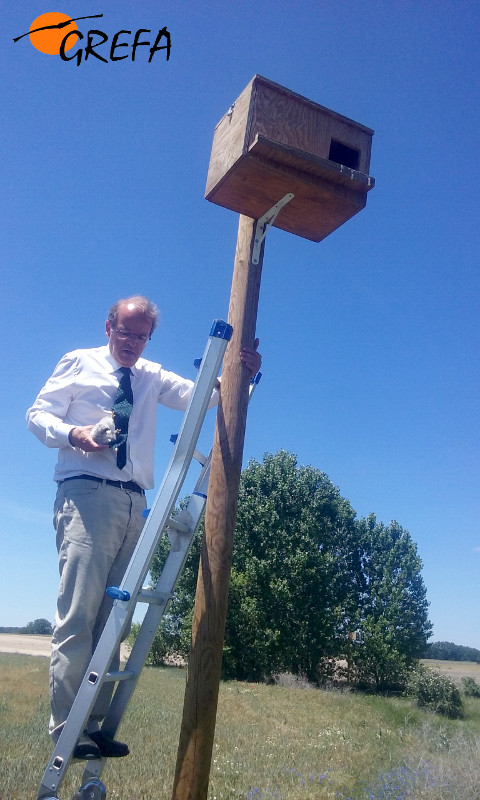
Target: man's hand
250	357
82	437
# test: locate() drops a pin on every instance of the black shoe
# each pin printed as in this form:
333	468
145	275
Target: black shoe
109	748
86	749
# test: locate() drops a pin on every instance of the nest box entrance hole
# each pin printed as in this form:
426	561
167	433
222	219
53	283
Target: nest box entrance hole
343	154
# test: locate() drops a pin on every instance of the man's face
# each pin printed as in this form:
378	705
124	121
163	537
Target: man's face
127	339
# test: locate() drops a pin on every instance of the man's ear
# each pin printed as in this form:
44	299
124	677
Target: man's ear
107	329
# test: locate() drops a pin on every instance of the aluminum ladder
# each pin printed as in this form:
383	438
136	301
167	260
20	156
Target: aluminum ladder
181	530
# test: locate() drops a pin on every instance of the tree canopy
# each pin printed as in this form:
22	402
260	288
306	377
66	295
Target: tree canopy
310	583
448	651
293	542
392	614
38	626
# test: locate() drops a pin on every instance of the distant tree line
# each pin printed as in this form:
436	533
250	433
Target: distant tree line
312	587
448	651
38	626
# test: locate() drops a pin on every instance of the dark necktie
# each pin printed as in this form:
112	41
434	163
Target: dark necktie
122	408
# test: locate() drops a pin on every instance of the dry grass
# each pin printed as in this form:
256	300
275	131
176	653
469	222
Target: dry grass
272	742
455	670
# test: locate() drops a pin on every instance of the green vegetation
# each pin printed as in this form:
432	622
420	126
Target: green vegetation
470	687
310	585
436	692
37	626
448	651
272	742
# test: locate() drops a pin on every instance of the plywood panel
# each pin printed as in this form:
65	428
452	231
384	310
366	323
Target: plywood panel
275	141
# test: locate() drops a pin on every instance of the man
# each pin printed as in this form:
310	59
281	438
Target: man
101	490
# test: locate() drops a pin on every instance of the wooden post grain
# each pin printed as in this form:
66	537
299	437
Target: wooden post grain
204	665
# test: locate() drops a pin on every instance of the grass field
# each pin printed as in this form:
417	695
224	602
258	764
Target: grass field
272	743
455	670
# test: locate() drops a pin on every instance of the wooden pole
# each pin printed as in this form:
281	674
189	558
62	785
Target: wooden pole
204	664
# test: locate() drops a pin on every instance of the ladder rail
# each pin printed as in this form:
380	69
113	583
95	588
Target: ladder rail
180	545
122	609
179	549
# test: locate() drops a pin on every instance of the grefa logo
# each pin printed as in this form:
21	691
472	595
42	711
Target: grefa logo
55	33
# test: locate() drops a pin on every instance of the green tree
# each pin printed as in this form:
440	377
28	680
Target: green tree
294	542
309	584
392	618
39	626
448	651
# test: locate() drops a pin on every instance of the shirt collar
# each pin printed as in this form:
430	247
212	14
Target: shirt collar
113	363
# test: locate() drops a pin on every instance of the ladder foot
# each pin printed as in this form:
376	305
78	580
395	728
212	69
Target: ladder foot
93	790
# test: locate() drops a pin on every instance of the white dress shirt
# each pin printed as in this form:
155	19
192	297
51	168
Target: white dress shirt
82	390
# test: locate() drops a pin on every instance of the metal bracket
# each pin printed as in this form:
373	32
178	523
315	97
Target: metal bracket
264	224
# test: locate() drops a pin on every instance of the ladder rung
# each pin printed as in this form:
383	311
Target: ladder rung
120	675
198	456
154	598
178	526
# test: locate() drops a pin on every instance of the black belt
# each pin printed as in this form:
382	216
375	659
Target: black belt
130	485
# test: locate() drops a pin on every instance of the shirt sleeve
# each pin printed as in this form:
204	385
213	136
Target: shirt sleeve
175	391
46	417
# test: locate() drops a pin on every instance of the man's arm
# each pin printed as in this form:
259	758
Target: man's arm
176	391
251	359
46	417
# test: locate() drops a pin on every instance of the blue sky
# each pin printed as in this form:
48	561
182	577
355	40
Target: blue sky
369	338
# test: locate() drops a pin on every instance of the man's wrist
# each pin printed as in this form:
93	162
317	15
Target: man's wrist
70	436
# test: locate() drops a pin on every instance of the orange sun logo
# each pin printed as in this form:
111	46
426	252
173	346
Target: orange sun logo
52	33
48	31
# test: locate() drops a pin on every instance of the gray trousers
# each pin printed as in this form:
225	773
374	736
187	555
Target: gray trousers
97	529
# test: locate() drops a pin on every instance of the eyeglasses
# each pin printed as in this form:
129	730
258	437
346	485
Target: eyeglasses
135	337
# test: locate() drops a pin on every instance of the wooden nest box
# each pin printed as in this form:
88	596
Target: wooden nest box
273	141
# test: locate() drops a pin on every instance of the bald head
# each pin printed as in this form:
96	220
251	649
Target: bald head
129	326
138	303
